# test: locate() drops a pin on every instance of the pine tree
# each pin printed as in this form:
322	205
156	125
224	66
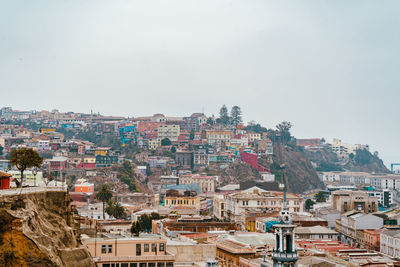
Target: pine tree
223	115
236	115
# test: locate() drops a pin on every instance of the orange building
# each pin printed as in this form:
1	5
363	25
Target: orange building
83	186
372	239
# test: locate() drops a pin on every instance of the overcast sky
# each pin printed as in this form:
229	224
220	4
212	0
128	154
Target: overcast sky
329	67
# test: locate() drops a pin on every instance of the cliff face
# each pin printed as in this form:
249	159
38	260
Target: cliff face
238	172
299	172
37	229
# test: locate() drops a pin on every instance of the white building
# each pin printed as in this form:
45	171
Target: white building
44	145
379	181
343	150
256	198
351	222
390	242
315	233
207	183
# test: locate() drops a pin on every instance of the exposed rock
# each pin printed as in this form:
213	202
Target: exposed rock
38	229
299	172
238	172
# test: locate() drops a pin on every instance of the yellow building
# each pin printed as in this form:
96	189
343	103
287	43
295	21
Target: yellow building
168	131
102	151
218	136
89	160
47	130
153	144
135	251
187	202
253	136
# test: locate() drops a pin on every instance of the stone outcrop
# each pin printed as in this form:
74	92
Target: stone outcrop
37	229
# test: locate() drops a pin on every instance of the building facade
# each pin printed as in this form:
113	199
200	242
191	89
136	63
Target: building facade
390	242
129	252
344	200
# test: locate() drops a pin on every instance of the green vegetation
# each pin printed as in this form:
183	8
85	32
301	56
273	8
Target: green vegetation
309	203
104	195
136	228
276	169
24	158
284	131
236	115
328	167
320	197
257	128
165	142
127	175
116	210
145	221
363	157
223	116
210	121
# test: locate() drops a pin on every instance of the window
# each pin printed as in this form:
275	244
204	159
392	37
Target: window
170	264
103	249
134	264
138	249
146	248
106	265
109	248
161	264
162	246
124	264
142	264
154	247
151	264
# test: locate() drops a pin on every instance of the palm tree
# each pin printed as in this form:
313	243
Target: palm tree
24	158
104	195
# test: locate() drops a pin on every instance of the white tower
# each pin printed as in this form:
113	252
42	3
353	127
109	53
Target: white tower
285	253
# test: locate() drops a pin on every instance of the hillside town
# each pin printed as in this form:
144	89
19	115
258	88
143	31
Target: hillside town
164	191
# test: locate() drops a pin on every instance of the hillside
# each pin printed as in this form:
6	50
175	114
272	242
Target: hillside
238	172
37	229
363	161
299	172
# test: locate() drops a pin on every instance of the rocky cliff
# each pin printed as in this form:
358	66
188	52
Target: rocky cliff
37	229
299	172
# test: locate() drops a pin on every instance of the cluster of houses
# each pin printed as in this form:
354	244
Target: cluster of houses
228	225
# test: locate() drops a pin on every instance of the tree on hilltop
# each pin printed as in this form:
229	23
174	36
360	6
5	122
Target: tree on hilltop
236	115
284	131
24	158
223	115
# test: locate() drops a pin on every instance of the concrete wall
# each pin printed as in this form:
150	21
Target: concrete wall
192	253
